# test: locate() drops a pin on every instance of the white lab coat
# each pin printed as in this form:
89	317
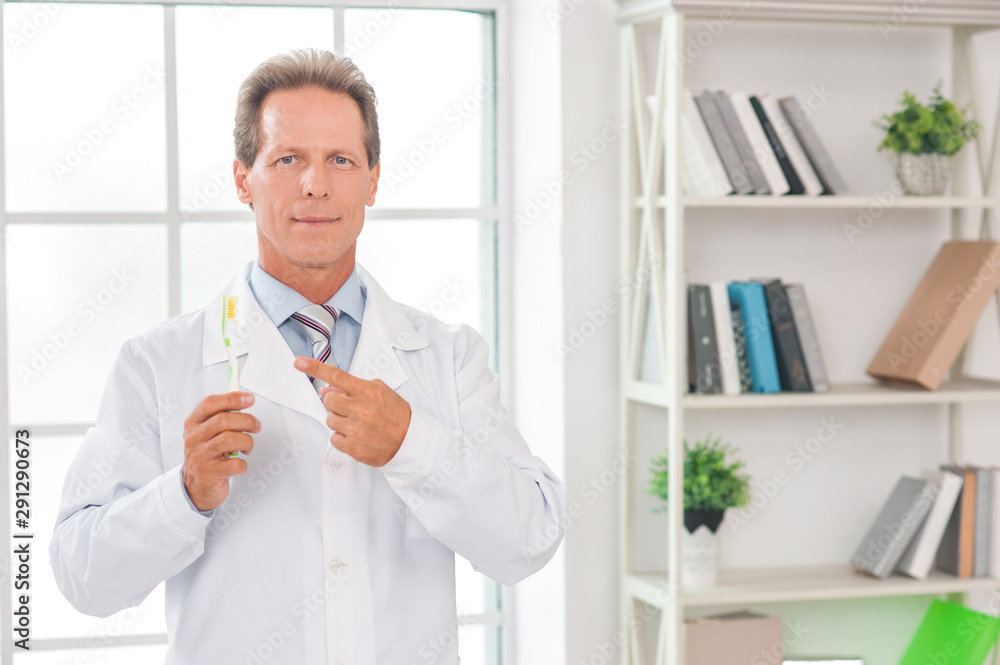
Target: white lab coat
329	559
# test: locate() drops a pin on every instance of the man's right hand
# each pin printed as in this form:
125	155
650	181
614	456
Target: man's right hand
211	432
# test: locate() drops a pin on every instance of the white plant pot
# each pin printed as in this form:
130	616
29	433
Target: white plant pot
923	175
699	556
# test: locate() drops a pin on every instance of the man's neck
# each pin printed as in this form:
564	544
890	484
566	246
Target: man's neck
318	285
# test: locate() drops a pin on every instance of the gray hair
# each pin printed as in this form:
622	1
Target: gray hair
298	69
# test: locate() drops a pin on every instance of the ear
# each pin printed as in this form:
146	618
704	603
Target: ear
241	176
373	184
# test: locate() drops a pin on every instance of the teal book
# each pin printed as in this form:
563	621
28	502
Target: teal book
750	298
953	634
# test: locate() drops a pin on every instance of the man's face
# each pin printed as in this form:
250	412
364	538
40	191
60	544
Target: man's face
310	181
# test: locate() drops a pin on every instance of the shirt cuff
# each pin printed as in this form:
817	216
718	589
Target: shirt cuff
417	451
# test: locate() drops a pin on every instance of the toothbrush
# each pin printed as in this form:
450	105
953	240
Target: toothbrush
229	316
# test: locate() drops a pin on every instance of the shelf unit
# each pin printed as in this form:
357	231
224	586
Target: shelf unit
648	158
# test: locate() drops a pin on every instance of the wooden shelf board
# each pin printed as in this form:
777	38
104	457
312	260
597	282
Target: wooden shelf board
805	583
844	394
979	13
876	205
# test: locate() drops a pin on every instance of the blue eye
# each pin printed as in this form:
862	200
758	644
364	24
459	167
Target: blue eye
283	160
341	160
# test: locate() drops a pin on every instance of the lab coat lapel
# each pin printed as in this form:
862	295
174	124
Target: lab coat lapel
384	329
268	369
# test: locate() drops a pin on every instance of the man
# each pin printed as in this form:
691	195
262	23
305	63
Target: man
330	536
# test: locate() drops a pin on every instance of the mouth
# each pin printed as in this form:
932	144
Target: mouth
316	221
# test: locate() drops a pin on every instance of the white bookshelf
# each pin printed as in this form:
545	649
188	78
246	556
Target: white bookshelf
654	216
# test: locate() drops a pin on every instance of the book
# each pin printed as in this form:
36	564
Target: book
795	186
696	179
723	142
955	554
918	559
940	315
737	637
719	183
705	350
787	349
807	338
759	145
994	570
803	168
757	331
983	521
798	118
740	338
966	636
889	535
749	163
725	339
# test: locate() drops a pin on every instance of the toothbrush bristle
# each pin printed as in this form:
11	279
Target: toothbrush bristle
231	308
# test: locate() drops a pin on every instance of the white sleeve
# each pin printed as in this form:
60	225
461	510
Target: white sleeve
479	490
125	523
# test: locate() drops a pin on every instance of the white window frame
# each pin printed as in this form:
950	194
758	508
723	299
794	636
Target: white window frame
494	216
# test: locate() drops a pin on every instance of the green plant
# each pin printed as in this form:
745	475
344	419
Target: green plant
711	484
937	128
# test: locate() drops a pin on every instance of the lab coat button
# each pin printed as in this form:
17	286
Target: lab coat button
335	565
333	464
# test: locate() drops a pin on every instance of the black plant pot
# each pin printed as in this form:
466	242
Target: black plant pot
695	518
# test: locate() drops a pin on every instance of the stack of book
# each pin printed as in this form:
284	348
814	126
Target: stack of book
949	520
755	336
735	143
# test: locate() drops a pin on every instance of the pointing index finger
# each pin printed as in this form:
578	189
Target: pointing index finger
332	375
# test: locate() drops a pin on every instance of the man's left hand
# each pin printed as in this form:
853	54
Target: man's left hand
368	418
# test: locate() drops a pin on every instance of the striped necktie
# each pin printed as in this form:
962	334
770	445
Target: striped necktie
317	322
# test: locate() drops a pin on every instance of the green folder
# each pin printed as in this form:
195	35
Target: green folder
952	634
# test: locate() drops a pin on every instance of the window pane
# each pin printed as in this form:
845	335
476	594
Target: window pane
68	313
434	266
51	614
114	656
217	47
211	253
478	645
427	70
84	107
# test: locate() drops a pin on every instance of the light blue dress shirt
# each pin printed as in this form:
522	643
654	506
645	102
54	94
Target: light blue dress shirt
279	301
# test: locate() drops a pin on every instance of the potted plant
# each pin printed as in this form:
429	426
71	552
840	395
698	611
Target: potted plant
712	483
924	137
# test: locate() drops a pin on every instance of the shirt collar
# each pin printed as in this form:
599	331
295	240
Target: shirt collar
279	301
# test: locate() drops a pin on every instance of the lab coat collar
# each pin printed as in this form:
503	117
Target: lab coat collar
268	369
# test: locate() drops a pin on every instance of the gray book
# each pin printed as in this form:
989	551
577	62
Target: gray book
902	515
808	338
984	518
750	165
723	142
798	118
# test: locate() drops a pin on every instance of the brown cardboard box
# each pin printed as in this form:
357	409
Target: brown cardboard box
735	639
940	315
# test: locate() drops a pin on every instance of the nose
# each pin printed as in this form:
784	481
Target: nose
315	184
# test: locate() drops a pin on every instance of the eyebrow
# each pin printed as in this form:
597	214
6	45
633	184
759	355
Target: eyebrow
297	150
